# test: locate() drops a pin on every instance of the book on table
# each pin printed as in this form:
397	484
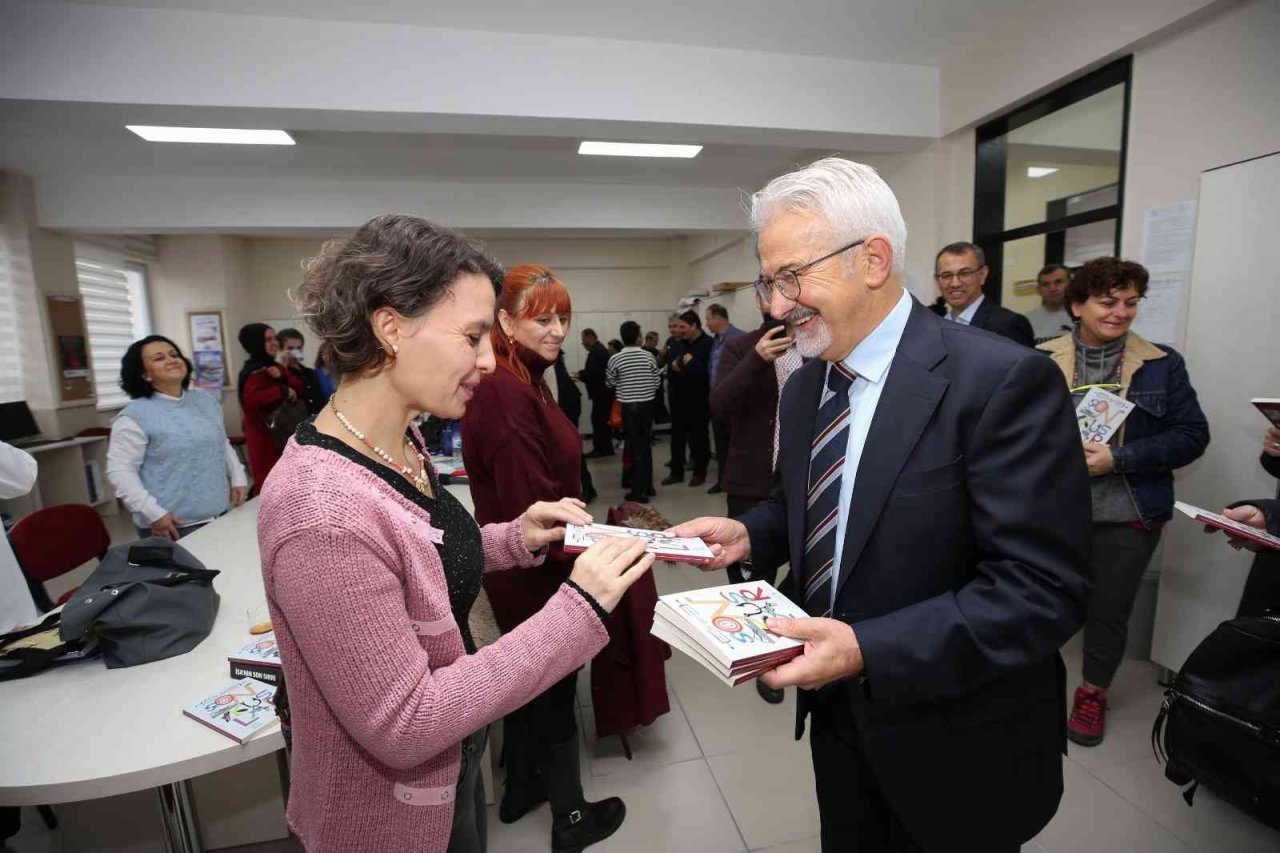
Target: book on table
723	628
1270	408
664	546
1221	522
1100	414
239	711
260	659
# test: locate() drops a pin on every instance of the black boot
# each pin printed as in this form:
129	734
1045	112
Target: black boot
575	823
524	788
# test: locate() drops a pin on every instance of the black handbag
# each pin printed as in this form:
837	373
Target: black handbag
283	420
141	613
1220	721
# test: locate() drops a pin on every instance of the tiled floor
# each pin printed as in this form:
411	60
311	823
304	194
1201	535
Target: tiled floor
720	772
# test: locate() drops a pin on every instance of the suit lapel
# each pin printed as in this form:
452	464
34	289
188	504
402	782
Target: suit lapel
907	403
980	316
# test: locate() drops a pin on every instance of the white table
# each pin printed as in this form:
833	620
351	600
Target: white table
83	731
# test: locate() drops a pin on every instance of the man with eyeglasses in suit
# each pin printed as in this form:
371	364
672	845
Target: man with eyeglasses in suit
930	496
961	271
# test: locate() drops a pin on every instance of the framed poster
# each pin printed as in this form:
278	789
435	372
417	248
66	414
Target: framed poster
208	350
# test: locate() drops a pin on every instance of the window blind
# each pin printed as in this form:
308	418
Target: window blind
10	348
113	314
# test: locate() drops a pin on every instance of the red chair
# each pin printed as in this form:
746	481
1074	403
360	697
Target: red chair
55	540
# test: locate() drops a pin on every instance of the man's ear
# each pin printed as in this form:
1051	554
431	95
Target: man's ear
875	260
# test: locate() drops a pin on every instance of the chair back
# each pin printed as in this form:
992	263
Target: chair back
55	540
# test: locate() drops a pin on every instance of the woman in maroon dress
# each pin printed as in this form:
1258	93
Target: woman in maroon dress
262	386
518	447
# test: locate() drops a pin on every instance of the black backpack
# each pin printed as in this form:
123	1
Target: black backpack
1220	720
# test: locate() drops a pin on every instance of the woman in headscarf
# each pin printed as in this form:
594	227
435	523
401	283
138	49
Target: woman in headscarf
262	387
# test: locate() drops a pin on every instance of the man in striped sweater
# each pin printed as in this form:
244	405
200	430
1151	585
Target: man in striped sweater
633	376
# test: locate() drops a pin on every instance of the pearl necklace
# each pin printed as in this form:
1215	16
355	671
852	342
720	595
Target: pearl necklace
419	478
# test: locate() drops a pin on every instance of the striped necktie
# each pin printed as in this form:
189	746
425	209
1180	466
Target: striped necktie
826	464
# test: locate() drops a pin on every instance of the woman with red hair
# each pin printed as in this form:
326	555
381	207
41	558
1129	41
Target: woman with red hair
518	447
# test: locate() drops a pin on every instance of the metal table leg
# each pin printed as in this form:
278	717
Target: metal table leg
178	818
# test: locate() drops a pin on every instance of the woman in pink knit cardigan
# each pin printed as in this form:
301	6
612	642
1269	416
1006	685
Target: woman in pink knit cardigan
371	568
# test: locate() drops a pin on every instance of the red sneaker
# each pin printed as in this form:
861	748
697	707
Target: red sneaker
1088	722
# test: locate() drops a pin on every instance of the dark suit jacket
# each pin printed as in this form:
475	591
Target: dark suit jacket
593	372
746	398
1002	321
965	567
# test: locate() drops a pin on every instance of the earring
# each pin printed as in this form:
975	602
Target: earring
511	340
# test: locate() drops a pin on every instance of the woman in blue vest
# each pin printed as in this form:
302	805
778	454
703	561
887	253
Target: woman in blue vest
169	458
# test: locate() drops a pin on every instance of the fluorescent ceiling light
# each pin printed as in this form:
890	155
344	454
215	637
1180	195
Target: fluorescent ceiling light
1039	171
638	149
219	135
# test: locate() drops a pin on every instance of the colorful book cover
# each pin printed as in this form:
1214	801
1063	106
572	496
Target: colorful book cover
664	546
262	651
1100	415
729	621
239	710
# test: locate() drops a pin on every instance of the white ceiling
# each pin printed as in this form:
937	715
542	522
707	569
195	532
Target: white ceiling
916	32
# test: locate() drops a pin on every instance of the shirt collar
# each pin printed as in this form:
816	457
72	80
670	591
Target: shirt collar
967	314
871	358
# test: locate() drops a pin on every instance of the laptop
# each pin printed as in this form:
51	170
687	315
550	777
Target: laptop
18	426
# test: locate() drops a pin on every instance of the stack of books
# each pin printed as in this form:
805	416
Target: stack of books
259	659
723	628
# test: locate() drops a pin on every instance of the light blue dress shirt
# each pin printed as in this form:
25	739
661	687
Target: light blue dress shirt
870	361
965	317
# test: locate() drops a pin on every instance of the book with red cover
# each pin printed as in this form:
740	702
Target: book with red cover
664	546
1244	531
1269	406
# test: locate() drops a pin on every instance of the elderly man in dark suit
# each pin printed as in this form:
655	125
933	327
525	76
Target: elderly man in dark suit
931	497
961	271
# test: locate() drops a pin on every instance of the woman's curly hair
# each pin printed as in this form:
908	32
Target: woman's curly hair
403	263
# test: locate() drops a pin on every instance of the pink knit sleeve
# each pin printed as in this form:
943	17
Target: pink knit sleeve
504	547
344	610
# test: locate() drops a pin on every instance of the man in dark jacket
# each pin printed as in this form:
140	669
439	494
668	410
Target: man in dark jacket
570	400
932	501
601	395
960	271
691	405
291	358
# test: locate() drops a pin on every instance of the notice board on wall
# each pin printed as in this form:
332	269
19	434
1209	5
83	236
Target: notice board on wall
71	348
1231	348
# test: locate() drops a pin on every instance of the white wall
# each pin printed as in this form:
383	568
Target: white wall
1034	51
202	272
1203	98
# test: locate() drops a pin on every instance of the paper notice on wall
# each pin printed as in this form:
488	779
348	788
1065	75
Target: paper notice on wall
1160	312
1168	234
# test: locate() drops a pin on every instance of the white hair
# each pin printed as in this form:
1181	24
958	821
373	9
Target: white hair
853	199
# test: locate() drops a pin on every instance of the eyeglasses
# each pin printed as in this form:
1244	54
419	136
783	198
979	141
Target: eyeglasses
963	275
787	282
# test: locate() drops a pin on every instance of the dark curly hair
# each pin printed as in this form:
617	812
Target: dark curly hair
1101	276
403	263
133	373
